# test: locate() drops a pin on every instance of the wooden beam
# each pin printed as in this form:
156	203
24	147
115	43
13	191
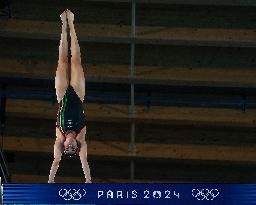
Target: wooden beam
150	133
197	76
144	74
47	70
120	113
22	178
189	2
46	110
120	34
144	150
177	2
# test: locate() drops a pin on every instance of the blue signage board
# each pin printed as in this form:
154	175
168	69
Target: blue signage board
130	193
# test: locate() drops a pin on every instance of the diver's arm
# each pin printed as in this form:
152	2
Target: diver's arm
56	161
84	162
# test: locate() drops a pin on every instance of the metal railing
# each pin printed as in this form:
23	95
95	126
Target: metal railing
4	173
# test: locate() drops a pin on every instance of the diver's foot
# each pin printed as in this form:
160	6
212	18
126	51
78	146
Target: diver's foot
70	16
63	17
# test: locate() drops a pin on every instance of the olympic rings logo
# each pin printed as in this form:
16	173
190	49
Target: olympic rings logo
71	194
205	194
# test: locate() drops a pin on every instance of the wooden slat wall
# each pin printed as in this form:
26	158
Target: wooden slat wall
208	43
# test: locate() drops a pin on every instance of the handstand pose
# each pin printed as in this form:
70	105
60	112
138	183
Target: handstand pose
70	91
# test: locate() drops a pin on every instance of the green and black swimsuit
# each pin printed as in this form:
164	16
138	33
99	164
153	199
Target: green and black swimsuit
70	115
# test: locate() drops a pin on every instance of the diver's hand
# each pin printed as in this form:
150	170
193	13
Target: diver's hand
88	181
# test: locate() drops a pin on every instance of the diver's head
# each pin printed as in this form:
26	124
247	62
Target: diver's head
71	145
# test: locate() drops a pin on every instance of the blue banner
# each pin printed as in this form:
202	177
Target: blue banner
176	194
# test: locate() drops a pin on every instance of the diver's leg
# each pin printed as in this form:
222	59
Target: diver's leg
77	74
61	80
